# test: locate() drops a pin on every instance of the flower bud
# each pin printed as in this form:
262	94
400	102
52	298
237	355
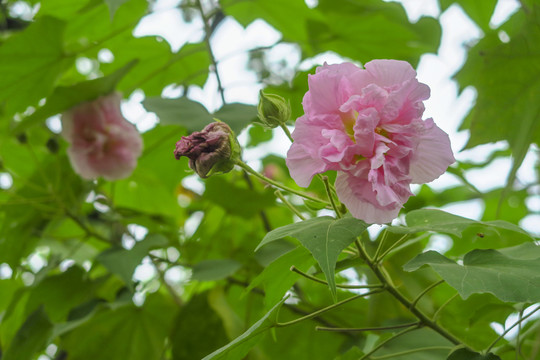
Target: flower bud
210	151
273	110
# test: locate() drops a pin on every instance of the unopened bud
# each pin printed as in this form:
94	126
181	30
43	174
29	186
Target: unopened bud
273	110
210	151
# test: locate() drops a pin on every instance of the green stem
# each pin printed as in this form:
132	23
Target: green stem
323	310
412	351
247	168
510	328
289	205
436	315
286	131
169	288
320	328
415	301
316	279
402	332
381	243
401	298
330	196
392	247
207	34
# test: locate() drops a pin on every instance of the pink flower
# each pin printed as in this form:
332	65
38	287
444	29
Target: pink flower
367	124
103	143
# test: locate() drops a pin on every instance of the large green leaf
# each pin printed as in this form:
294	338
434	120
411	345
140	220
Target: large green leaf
487	271
440	221
277	278
192	338
466	354
124	332
123	262
479	11
31	337
210	270
235	199
325	237
239	347
184	112
31	63
65	97
237	115
371	29
507	106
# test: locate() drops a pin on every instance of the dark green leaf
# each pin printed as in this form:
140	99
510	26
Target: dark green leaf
31	337
277	278
65	97
236	115
466	354
31	63
184	112
189	330
124	332
487	271
237	200
210	270
507	106
240	346
123	262
440	221
325	237
479	11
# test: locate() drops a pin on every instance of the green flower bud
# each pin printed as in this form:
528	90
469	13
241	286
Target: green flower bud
213	150
273	110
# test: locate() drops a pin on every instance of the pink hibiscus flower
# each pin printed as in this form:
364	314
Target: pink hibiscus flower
103	142
367	124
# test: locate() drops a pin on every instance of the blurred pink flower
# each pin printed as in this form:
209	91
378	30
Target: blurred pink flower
103	143
367	124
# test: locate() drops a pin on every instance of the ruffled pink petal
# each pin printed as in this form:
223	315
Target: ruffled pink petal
302	166
364	131
336	148
389	73
329	88
405	103
358	197
432	155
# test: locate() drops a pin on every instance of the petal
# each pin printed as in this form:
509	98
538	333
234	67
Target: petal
388	73
329	88
432	155
364	131
357	195
302	166
405	103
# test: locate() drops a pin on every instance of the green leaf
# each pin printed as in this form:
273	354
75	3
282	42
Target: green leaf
466	354
30	64
65	97
277	278
114	5
440	221
124	332
210	270
371	29
479	11
237	200
192	338
184	112
236	115
487	271
325	237
31	337
239	347
507	106
123	262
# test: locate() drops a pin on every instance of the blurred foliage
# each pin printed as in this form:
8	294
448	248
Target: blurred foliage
163	266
